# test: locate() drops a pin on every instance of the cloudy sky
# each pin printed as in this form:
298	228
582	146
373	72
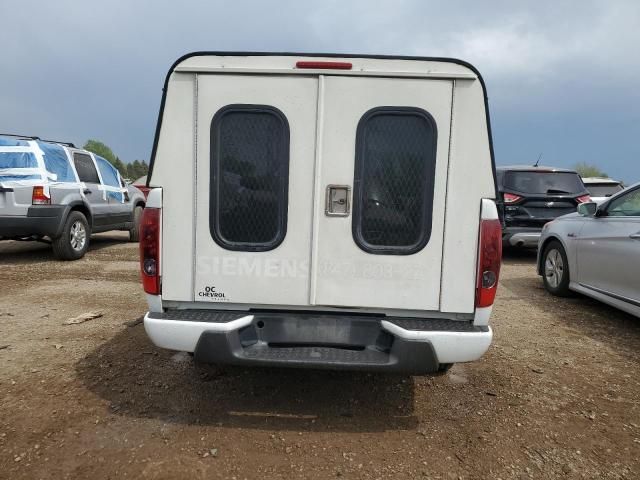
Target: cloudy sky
562	76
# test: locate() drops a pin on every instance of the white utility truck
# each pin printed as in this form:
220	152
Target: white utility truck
323	211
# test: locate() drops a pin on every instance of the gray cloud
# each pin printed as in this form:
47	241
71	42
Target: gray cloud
561	75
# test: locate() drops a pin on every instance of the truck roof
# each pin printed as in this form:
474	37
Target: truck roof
531	168
600	180
361	65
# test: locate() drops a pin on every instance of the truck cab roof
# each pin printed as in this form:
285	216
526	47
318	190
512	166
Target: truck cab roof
532	168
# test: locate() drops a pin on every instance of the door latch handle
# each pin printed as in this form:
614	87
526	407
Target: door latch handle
337	201
635	236
86	191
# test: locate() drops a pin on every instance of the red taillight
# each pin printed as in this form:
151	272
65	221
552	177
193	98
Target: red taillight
324	65
583	199
489	257
38	197
511	198
150	250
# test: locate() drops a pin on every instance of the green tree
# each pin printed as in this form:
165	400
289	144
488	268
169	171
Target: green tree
132	171
137	169
122	168
99	148
586	170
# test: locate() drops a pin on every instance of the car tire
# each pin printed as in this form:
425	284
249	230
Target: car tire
134	232
555	269
74	241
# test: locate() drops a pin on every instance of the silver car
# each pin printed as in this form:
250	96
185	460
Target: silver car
55	192
596	252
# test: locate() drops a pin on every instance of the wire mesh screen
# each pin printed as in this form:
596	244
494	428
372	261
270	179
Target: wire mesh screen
250	168
394	180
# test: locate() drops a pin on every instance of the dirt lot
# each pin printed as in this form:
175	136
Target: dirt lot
557	395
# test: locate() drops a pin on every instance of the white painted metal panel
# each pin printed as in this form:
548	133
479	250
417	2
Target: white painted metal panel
470	180
279	276
275	64
174	171
345	274
443	277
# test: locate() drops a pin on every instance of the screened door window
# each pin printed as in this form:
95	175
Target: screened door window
249	177
394	180
86	169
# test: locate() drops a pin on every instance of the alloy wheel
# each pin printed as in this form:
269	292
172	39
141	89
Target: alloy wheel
554	268
78	236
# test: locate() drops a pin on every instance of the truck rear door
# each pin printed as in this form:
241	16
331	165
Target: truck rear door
386	140
254	197
321	190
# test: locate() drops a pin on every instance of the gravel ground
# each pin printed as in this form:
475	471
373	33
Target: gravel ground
557	395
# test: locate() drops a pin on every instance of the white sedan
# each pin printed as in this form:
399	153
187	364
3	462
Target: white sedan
596	252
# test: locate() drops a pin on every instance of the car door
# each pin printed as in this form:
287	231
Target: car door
119	204
609	249
93	192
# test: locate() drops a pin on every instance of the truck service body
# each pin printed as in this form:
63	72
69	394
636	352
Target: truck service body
322	211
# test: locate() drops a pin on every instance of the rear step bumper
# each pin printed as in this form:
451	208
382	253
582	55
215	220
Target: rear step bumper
345	342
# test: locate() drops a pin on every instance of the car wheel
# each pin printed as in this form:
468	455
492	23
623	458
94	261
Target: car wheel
74	241
134	232
555	271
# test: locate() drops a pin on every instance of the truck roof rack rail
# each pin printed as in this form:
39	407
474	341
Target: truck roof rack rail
31	137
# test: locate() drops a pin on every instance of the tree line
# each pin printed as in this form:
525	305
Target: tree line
132	171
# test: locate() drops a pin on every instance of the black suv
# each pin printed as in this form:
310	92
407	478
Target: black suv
529	197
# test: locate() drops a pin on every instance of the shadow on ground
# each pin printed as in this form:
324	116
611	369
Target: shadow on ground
140	380
519	256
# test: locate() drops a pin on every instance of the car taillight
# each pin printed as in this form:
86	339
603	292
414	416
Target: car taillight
150	250
323	65
489	257
583	199
38	197
511	198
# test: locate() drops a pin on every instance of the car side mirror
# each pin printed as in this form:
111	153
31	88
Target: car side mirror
588	209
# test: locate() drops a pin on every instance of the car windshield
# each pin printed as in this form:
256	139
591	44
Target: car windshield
543	182
603	189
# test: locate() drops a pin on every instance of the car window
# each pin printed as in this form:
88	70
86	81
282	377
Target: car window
603	189
249	177
15	162
86	169
394	180
627	205
110	178
532	182
108	172
57	162
18	160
